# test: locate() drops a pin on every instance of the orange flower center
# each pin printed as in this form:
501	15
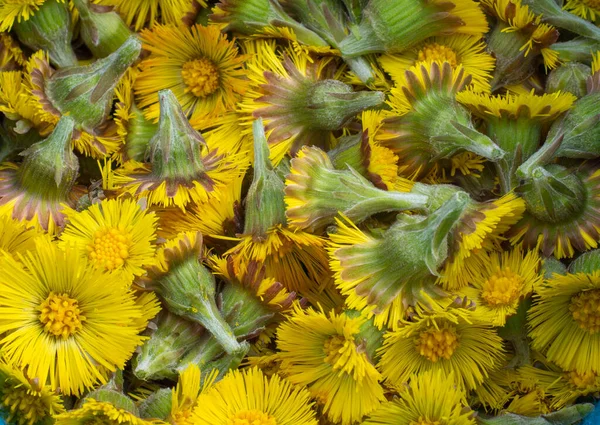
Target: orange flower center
60	315
585	309
435	344
502	288
110	248
201	77
582	380
437	52
251	417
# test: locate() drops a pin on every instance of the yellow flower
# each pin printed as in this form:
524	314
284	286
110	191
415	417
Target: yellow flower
185	396
11	55
16	237
587	9
457	49
321	351
101	412
17	11
292	257
55	303
445	341
499	281
248	396
563	386
26	401
141	13
565	321
115	236
199	64
431	398
482	228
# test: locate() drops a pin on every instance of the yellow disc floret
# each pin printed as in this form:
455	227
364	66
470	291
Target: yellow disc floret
201	77
110	248
60	315
252	417
437	52
585	308
503	287
424	421
435	344
582	380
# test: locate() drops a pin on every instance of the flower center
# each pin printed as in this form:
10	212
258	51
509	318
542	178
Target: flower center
437	343
251	417
334	350
423	421
437	52
582	380
201	77
60	315
503	287
585	309
110	248
24	406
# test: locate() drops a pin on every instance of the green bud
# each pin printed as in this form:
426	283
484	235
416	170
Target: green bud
50	167
570	77
49	29
316	192
577	50
86	92
264	203
170	340
554	194
588	263
348	153
139	133
175	149
437	194
102	29
157	405
250	17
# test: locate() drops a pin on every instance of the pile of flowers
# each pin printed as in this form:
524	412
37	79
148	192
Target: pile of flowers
299	212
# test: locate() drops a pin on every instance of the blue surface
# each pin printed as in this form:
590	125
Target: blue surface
594	417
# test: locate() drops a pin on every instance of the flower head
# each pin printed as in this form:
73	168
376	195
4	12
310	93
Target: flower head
446	341
27	402
184	398
430	398
115	235
587	9
84	321
324	353
248	396
565	321
102	412
198	64
500	280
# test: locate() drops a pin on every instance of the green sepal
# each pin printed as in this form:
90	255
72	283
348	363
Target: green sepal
588	263
49	28
157	405
139	133
171	339
175	149
369	337
50	167
552	266
116	398
561	18
577	50
102	29
515	331
566	416
86	92
188	290
265	207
